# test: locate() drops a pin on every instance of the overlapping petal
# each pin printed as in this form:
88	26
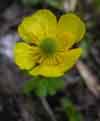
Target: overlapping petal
66	39
71	58
47	71
58	70
41	24
24	55
26	30
72	24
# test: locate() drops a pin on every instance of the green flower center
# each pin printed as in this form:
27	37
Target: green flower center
48	46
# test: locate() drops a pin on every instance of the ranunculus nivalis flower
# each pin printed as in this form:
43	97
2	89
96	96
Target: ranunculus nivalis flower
46	48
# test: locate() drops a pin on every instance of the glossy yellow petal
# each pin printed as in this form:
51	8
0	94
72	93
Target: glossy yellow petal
50	70
71	58
47	20
24	55
47	71
70	23
26	30
66	39
41	24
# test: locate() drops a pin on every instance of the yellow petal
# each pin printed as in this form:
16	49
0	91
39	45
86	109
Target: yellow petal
51	70
23	55
66	40
47	71
70	23
48	22
26	32
71	58
41	24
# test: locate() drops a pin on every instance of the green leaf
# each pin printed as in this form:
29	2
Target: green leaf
97	3
28	86
43	86
30	2
48	86
56	3
70	110
54	85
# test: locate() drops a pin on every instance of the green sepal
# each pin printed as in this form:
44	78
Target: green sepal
43	86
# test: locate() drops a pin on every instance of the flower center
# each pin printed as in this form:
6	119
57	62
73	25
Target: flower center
48	46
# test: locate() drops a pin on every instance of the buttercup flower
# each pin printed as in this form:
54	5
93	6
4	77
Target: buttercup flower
46	46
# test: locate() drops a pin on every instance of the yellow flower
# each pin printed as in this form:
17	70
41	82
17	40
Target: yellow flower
46	46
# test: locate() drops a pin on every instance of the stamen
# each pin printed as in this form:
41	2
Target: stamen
48	46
